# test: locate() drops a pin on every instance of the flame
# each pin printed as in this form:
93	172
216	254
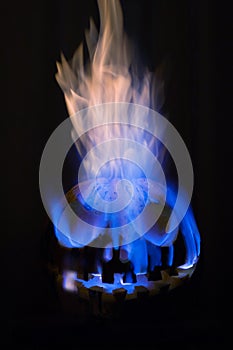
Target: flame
110	75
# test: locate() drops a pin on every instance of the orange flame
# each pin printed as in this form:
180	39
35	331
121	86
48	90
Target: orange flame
108	76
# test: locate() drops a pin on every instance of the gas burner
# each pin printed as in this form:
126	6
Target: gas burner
105	277
122	232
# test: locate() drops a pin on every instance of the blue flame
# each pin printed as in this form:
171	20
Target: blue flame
140	169
189	230
143	254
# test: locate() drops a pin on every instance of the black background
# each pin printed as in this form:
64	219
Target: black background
194	37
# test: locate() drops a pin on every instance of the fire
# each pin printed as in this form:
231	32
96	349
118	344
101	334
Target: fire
108	77
111	109
110	74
